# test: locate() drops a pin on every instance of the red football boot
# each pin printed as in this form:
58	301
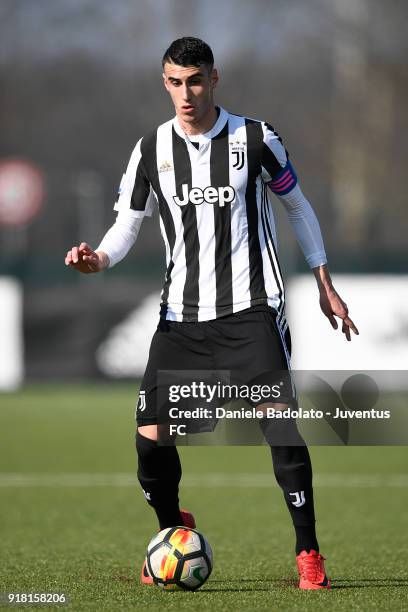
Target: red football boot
311	571
188	521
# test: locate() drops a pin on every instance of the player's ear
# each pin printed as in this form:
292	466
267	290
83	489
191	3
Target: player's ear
165	81
214	77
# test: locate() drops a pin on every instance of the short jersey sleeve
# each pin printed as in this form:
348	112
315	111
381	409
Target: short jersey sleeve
277	171
135	192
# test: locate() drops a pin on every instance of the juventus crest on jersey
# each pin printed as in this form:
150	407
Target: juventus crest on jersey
215	213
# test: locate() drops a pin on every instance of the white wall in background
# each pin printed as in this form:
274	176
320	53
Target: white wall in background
11	334
378	305
124	352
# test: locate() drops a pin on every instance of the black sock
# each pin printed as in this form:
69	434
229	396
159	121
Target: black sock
293	472
159	473
306	538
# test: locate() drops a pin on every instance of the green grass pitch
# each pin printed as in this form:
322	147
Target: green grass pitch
73	519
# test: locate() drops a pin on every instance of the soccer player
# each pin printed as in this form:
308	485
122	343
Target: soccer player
212	174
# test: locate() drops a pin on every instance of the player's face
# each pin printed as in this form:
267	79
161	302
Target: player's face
191	90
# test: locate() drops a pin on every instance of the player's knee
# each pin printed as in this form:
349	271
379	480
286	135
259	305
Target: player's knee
291	463
159	470
148	431
157	461
280	432
275	405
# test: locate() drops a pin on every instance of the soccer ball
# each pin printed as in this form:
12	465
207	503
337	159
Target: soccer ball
179	558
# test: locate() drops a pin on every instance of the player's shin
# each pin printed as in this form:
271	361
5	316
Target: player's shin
159	473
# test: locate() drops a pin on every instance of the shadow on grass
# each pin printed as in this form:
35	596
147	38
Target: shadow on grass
368	583
338	583
262	585
128	579
254	585
236	586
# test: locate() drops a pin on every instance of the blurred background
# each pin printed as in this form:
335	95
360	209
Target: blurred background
81	83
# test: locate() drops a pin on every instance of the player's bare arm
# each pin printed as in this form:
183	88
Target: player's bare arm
331	303
84	259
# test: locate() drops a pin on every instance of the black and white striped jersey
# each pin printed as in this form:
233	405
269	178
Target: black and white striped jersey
215	212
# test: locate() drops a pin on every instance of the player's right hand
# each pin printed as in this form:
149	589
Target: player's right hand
84	259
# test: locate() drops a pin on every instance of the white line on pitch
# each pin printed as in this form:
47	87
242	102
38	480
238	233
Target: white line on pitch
216	479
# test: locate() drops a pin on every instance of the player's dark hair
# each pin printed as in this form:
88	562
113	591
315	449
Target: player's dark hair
189	51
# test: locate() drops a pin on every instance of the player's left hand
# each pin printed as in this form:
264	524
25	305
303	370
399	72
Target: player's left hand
333	306
84	259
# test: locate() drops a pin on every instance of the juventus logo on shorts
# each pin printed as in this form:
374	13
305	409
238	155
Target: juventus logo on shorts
299	499
141	404
239	159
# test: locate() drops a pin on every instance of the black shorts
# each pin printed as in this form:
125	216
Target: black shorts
253	345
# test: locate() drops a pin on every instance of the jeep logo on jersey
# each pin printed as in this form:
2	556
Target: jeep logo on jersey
210	195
